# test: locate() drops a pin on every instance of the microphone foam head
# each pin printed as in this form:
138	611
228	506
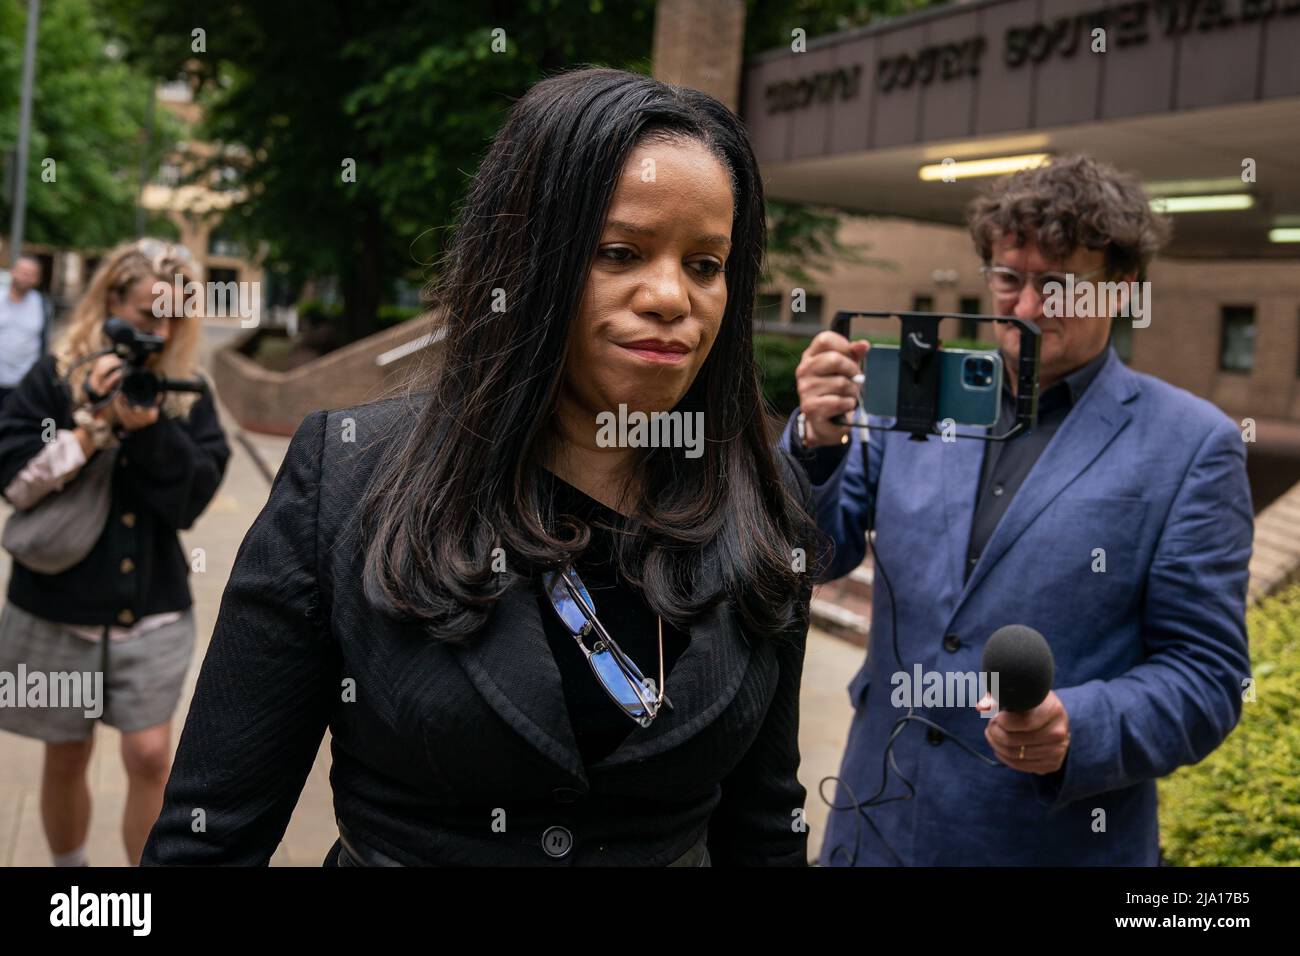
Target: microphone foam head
1022	660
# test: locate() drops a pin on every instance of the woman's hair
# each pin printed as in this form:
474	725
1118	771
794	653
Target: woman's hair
1073	202
121	268
466	477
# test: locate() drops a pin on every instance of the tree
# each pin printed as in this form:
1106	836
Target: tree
364	122
89	117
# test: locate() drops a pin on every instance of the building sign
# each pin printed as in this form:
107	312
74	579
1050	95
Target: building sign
1129	24
1125	25
945	61
818	87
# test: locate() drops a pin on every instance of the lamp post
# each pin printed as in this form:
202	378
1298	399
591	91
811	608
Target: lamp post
24	134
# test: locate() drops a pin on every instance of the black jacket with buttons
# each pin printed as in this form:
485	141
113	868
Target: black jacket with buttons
166	474
458	754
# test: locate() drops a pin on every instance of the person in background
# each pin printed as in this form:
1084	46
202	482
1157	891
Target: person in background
1120	528
125	610
24	324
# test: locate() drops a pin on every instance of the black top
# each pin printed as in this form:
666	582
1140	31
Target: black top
599	724
1008	463
165	476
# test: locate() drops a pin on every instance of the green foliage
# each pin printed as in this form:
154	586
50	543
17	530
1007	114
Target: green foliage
1241	805
411	90
801	236
90	114
768	23
777	356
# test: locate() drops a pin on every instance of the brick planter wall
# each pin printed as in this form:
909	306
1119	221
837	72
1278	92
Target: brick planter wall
276	402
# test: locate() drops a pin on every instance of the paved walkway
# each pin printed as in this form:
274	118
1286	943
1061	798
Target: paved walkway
825	708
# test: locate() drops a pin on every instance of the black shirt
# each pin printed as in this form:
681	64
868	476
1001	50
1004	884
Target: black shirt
599	724
1008	463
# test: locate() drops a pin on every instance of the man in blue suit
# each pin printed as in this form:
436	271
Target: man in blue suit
1120	528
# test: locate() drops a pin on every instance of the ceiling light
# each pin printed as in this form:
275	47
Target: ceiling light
969	168
1225	202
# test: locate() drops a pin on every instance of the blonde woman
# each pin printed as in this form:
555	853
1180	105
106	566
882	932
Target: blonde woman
124	611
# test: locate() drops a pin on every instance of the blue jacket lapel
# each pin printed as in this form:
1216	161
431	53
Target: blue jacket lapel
1089	427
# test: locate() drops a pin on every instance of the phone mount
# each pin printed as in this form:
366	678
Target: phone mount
918	372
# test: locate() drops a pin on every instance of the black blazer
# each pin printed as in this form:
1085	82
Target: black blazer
448	755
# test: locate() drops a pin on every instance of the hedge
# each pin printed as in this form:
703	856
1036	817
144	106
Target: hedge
1241	805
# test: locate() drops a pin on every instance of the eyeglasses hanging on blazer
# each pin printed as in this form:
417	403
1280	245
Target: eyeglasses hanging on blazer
633	692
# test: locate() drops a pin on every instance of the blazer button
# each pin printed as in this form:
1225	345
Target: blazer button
125	616
566	795
933	735
127	565
128	519
557	842
951	643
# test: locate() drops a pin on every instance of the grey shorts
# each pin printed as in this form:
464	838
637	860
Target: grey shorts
64	687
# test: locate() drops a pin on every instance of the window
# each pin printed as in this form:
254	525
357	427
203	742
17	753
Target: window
922	303
970	305
768	307
1237	341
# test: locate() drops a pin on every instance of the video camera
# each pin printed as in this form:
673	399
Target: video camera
139	384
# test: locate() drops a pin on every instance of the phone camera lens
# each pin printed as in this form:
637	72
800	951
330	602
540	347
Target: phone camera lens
977	371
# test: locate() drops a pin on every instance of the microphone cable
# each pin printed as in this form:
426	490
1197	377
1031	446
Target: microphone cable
878	799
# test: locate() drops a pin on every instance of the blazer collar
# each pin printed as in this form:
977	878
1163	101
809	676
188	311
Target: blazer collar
1100	414
512	667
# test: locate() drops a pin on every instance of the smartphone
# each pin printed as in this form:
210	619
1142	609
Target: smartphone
970	385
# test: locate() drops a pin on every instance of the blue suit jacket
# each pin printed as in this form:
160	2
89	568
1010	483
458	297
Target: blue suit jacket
1150	653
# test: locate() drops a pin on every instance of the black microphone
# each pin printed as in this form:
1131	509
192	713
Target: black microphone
1022	661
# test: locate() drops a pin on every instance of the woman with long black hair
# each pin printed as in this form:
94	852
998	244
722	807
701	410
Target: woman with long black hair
536	637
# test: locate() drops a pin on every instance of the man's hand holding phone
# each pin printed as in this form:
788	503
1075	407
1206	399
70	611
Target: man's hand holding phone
829	379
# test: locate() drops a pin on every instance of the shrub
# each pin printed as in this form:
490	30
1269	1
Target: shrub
1241	805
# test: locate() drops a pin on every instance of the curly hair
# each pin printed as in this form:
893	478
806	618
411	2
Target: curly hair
1073	202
